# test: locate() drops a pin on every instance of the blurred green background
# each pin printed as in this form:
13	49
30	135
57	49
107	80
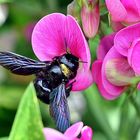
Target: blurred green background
110	120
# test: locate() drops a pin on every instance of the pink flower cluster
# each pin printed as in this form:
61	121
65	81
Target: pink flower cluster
72	133
118	61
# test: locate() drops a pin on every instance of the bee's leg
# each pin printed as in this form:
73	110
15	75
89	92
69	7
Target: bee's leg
42	89
69	88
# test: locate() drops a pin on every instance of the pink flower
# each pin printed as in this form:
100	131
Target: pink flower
125	11
71	133
55	33
90	17
118	61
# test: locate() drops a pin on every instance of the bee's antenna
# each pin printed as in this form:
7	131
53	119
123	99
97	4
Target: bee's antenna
82	61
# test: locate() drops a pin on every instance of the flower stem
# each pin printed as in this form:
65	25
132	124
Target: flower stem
135	105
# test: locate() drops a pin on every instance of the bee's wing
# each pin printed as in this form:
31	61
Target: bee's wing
59	108
19	64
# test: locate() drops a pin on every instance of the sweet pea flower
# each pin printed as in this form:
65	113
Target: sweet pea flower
56	33
71	133
127	43
90	17
118	62
124	11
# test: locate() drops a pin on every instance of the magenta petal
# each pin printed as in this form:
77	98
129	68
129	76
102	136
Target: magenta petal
52	134
112	89
56	32
105	45
83	80
76	41
132	10
125	37
74	130
86	133
96	72
134	56
48	36
138	5
116	9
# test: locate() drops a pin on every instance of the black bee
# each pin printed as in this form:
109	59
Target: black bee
51	82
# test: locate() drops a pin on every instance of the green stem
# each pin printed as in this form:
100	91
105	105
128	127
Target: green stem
97	112
135	105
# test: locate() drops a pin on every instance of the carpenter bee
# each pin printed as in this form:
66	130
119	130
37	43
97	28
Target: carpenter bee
52	82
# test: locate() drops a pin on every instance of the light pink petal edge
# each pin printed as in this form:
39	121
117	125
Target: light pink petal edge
74	130
52	134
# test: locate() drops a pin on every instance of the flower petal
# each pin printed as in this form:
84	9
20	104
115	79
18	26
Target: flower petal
132	11
86	133
55	33
105	45
74	130
48	37
134	56
125	37
76	41
96	72
109	87
116	9
83	80
52	134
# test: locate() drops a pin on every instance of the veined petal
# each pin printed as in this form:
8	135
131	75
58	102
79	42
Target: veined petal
74	130
116	9
55	33
48	38
76	41
124	38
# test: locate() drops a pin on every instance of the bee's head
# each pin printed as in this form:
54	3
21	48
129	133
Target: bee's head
71	62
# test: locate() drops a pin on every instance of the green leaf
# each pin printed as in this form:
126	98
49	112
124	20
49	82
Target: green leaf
28	124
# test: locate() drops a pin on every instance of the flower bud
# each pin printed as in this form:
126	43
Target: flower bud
90	17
